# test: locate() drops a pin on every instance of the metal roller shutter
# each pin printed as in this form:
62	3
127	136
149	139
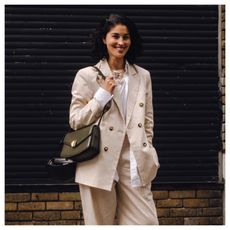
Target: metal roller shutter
46	45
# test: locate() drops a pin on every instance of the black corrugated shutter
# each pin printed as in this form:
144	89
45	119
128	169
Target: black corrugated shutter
46	45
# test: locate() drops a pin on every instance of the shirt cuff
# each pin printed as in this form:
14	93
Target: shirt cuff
102	96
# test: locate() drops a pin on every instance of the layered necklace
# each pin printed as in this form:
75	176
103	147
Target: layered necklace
119	76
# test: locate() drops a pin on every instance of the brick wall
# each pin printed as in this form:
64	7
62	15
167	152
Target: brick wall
189	207
43	208
174	207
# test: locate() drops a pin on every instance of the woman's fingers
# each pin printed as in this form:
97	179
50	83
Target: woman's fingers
108	84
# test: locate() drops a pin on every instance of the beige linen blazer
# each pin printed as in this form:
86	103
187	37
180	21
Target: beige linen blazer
138	125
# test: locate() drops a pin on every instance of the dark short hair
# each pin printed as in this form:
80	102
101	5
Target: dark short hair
99	49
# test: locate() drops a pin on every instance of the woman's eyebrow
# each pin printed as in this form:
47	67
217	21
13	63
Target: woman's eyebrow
115	33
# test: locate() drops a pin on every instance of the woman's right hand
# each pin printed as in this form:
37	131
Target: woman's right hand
108	84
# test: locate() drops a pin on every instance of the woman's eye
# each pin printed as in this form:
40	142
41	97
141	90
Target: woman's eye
116	36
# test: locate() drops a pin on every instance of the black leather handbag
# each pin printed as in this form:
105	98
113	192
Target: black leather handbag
77	145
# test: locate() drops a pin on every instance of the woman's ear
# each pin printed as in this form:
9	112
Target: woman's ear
104	41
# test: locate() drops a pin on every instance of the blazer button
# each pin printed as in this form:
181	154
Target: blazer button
111	128
144	144
139	125
141	104
106	149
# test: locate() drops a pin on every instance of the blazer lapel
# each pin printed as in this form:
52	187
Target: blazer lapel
132	92
117	100
105	69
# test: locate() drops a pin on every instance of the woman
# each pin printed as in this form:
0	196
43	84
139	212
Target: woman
117	183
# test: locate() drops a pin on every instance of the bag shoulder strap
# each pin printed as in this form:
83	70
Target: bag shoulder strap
99	72
107	106
105	109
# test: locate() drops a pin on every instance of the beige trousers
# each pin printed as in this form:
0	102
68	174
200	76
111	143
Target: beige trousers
126	204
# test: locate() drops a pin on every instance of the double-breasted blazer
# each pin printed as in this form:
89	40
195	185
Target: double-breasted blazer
138	125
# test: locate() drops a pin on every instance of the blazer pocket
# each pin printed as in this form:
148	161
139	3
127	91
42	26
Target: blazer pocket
153	152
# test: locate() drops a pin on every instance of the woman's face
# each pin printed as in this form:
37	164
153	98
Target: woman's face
117	41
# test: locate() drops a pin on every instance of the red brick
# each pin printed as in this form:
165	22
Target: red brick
59	205
210	212
47	215
65	222
163	212
182	194
209	194
18	216
69	196
10	206
158	195
44	196
68	215
192	203
196	221
169	203
31	206
18	223
177	212
215	202
40	222
216	220
17	197
171	221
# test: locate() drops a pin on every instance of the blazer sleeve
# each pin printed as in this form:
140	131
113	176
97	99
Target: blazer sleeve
149	123
84	108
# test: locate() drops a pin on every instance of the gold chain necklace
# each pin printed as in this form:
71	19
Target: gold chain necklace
118	76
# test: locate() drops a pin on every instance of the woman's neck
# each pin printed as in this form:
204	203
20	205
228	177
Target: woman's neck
115	64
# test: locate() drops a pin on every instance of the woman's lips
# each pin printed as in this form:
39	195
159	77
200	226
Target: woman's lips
121	49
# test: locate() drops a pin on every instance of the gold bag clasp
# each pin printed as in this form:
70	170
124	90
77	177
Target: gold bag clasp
73	143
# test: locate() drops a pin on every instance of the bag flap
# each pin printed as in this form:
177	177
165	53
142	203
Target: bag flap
74	138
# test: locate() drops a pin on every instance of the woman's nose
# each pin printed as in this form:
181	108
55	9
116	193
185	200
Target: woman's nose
121	41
